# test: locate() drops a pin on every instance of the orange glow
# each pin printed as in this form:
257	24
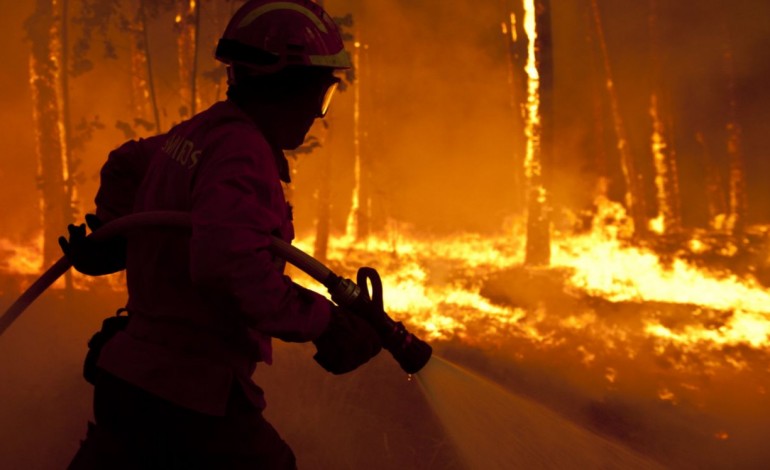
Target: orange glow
532	165
446	302
435	285
352	222
22	259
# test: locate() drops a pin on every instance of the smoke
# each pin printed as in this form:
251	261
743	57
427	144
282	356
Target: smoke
19	216
435	110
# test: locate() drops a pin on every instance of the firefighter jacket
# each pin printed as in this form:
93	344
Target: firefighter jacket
205	304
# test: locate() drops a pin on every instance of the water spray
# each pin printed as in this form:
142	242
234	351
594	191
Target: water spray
409	351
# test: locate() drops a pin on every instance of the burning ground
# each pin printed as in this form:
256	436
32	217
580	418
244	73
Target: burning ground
655	350
624	303
614	337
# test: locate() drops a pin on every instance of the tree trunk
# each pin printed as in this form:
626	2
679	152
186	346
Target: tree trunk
516	47
635	201
66	124
44	30
738	201
352	226
716	198
187	24
323	220
539	129
358	222
663	154
365	198
143	98
597	146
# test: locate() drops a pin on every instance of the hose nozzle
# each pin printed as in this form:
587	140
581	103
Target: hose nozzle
408	350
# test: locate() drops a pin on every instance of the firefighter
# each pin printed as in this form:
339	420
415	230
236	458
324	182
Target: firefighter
173	387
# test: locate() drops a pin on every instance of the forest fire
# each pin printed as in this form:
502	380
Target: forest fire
437	283
575	211
22	259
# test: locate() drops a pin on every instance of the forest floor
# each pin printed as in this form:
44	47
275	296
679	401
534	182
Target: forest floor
576	383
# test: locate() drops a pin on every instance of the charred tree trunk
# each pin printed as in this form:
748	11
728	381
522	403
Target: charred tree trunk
539	129
66	125
44	30
635	201
323	220
188	25
738	201
363	214
716	198
663	153
354	216
365	199
598	150
516	47
144	100
358	223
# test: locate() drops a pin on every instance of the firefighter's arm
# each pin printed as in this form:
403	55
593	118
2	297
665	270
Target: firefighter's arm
233	215
234	201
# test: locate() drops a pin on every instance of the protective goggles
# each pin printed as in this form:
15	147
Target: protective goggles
326	99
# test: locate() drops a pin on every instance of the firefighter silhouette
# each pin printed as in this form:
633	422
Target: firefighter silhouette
173	379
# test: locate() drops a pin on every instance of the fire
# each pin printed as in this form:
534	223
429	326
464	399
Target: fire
435	285
698	322
532	160
672	332
600	264
22	259
660	223
25	261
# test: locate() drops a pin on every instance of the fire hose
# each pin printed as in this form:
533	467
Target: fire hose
409	351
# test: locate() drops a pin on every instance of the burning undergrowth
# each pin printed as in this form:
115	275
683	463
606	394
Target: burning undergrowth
646	343
656	348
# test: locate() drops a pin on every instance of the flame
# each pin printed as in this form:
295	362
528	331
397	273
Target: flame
659	159
599	264
25	261
698	322
22	259
532	161
510	26
352	221
435	285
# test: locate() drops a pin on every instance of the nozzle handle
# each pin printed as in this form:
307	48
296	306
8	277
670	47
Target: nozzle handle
409	351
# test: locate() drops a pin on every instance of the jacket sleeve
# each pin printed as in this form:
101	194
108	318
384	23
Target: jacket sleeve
121	176
234	200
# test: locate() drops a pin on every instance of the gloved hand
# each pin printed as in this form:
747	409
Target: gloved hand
90	257
347	343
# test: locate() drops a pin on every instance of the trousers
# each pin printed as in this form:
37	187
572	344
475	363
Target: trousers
136	430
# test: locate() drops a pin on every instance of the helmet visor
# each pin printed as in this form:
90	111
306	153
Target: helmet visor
326	100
